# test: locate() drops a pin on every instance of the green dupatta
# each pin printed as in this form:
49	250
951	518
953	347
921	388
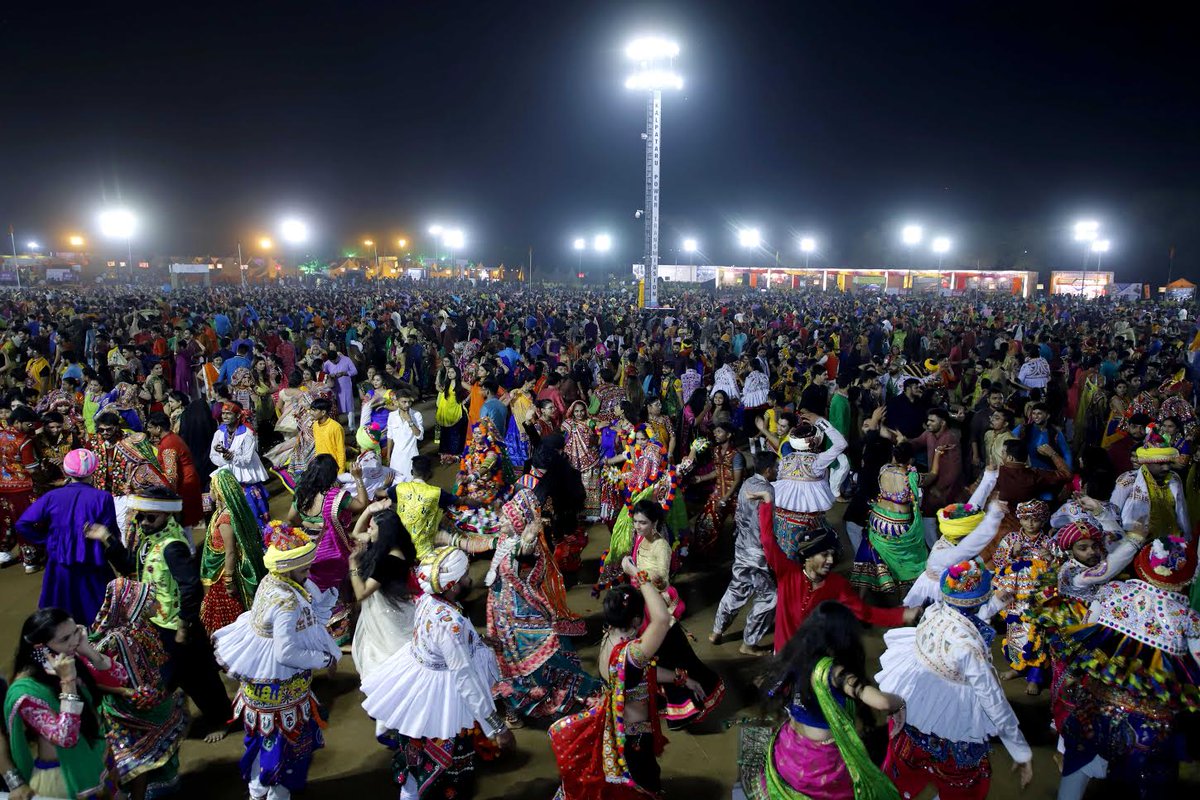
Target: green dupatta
869	781
84	767
246	534
905	556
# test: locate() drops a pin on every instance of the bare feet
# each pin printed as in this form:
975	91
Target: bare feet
714	637
1033	689
754	650
216	736
1008	675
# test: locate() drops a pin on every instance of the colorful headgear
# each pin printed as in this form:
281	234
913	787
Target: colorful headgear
1078	531
368	436
1168	565
80	463
1034	510
288	548
158	499
521	510
442	569
967	584
1156	451
814	541
802	441
957	520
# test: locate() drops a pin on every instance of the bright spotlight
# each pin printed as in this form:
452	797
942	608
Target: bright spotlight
602	243
690	246
941	245
911	234
294	230
580	244
118	223
33	245
749	237
808	244
1086	230
651	48
454	239
1101	246
265	243
435	230
403	243
654	79
76	241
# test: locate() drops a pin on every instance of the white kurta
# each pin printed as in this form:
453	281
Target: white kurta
244	462
928	586
405	443
1132	498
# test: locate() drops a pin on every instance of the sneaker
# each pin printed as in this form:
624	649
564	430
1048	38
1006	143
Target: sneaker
6	558
30	569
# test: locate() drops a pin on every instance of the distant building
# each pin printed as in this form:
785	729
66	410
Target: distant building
886	280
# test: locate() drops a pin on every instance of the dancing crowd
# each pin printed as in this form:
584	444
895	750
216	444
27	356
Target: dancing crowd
1005	484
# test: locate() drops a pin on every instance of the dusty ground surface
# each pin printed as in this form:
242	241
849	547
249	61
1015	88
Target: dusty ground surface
699	765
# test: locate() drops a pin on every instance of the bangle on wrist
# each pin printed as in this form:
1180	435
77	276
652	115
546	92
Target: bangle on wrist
13	780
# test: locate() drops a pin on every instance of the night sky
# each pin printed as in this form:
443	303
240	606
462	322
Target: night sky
997	124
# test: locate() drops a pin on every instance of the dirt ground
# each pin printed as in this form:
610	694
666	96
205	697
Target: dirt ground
698	765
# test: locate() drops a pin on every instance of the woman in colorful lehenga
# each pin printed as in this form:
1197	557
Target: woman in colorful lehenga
324	509
692	701
145	723
610	751
241	389
660	423
483	471
521	412
1118	404
818	675
582	447
646	475
231	560
123	400
893	552
528	618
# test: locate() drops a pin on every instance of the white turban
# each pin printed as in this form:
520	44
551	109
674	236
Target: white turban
441	569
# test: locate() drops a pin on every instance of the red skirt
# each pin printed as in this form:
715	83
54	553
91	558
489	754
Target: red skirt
219	608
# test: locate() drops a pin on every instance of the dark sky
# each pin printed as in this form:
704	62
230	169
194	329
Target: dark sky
996	123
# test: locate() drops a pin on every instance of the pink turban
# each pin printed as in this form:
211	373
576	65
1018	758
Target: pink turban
80	463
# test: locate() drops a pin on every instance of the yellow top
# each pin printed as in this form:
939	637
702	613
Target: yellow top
331	439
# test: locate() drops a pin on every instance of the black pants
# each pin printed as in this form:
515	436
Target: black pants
193	668
643	766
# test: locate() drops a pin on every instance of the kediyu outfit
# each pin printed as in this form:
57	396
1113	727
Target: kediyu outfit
434	695
943	670
1021	560
146	729
784	764
802	492
527	616
1135	660
272	649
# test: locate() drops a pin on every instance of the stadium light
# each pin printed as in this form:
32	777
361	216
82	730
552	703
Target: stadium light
912	234
602	243
294	230
750	238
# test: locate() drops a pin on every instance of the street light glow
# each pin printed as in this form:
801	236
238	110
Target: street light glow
912	234
690	246
294	230
265	243
602	243
650	48
1086	230
454	239
435	230
368	243
941	245
749	237
118	223
579	244
808	244
76	241
403	243
1101	246
33	245
654	80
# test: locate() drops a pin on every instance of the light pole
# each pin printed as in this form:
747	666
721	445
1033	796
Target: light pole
371	244
120	223
1100	247
808	246
941	245
435	231
265	244
453	240
580	244
1086	232
655	58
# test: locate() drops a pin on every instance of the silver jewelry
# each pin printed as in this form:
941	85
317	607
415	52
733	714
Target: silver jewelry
13	780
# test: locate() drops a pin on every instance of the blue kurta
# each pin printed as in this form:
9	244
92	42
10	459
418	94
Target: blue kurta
76	571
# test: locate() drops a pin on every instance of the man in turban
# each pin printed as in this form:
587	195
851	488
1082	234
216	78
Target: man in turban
1021	559
76	570
1152	495
434	695
272	649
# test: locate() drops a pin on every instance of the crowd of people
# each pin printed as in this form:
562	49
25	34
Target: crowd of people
979	465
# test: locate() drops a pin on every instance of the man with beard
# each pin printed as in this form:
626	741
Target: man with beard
127	464
1120	452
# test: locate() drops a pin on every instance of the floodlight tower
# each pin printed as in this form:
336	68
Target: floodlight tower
655	58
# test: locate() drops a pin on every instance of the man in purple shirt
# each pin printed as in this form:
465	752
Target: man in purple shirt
76	570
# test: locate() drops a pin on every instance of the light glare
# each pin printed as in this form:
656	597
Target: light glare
579	244
690	246
1086	230
435	230
33	245
602	243
912	234
1101	246
808	244
941	245
749	237
118	223
265	243
76	241
294	231
454	239
649	48
652	79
